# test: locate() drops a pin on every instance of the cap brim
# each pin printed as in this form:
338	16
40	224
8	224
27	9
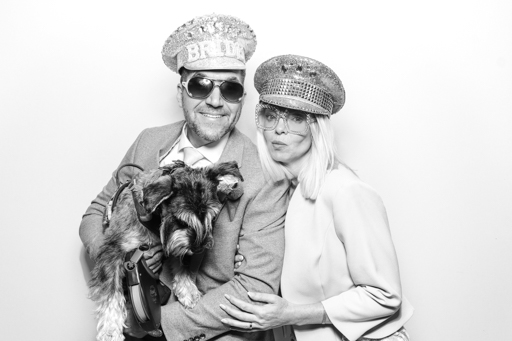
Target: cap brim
295	103
217	63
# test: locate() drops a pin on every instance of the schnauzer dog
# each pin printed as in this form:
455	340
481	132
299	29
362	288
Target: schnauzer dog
187	200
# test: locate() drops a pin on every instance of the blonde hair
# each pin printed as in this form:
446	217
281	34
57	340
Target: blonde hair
322	159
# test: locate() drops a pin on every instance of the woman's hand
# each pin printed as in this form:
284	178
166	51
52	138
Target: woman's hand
275	312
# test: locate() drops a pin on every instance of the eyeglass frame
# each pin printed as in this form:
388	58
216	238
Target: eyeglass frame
185	86
309	118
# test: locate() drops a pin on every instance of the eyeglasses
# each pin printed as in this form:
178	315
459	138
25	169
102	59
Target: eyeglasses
202	87
296	122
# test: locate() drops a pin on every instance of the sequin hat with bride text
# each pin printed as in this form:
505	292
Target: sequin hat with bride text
210	42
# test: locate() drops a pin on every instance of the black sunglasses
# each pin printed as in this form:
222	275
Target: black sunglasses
202	87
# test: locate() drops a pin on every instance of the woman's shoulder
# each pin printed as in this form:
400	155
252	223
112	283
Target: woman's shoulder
342	175
343	181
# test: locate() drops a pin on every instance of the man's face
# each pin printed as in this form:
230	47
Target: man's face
210	118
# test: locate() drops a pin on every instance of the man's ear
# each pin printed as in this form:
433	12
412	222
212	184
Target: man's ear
179	95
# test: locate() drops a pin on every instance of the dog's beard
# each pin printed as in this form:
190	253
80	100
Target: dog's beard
179	244
188	234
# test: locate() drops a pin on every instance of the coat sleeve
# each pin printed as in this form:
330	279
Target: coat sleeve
91	229
361	224
262	242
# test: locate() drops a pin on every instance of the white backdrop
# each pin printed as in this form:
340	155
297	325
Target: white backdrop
427	122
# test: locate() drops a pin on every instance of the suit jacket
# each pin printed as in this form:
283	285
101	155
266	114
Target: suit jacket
255	221
349	264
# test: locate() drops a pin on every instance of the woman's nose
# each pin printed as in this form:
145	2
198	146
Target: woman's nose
280	128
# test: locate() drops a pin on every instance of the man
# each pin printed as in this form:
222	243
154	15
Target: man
210	53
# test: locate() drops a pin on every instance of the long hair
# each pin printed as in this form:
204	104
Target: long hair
322	159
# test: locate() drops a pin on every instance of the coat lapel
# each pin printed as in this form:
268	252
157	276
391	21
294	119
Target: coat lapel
232	152
170	139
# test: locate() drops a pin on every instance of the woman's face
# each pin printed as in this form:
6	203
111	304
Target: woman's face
287	148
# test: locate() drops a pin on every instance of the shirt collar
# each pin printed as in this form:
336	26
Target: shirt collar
211	151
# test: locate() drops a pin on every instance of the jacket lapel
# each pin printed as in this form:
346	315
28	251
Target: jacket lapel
234	152
234	148
170	139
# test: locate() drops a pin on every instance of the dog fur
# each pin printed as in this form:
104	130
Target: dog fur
187	200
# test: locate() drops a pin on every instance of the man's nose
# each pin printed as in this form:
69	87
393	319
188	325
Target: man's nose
280	128
215	99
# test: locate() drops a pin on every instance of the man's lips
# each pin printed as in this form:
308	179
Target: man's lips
212	114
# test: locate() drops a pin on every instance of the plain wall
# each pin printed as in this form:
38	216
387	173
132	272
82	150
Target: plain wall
427	123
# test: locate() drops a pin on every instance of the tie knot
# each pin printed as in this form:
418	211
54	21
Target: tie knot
191	156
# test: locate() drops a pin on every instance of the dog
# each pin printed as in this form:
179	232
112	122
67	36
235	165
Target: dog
187	200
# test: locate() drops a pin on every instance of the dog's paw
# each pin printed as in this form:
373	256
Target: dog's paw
188	295
190	300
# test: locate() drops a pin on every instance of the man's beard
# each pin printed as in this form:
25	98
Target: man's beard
210	132
210	135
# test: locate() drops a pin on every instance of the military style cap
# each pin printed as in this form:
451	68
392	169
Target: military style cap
210	42
300	83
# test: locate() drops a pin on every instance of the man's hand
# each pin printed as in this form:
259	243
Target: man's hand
154	258
239	258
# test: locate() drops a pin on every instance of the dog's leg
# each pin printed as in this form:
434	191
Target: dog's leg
182	285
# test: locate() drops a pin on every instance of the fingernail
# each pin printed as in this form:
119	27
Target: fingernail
223	306
223	321
227	296
249	293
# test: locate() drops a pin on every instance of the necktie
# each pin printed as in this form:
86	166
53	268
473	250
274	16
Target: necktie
191	156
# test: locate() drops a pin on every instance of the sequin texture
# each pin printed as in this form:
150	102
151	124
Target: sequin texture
214	34
301	83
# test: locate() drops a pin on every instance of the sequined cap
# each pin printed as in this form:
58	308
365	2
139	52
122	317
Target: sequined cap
300	83
210	42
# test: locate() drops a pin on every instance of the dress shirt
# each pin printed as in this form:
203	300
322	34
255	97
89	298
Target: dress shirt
211	151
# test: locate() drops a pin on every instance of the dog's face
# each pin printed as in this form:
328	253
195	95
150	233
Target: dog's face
188	202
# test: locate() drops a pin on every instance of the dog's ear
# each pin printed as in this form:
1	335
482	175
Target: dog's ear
170	168
227	174
156	192
224	169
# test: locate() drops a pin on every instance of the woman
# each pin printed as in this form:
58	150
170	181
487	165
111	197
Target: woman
340	277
